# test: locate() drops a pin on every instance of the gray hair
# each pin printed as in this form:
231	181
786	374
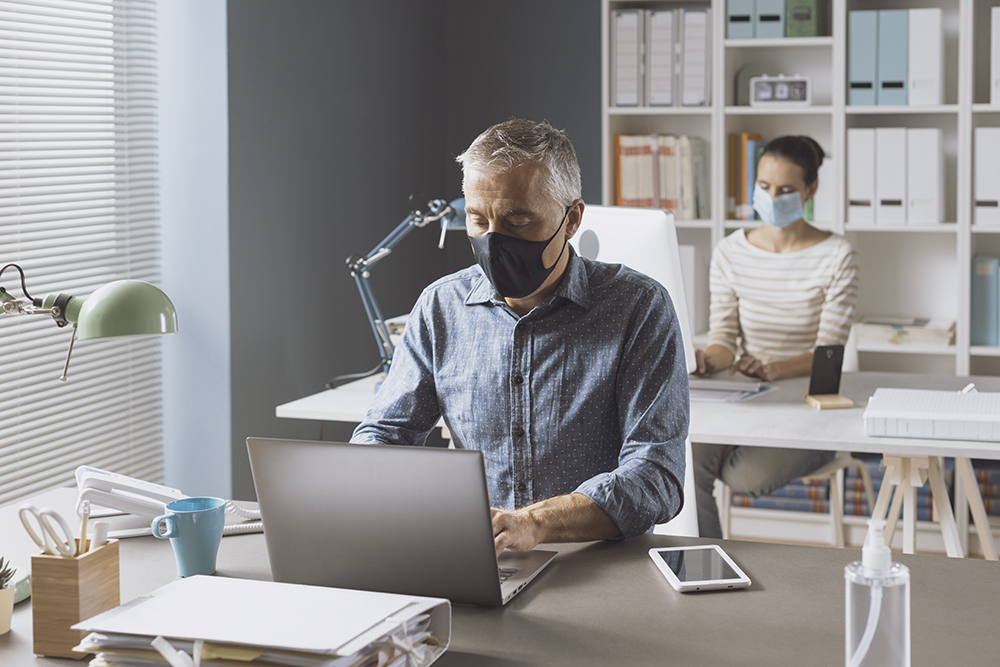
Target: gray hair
516	142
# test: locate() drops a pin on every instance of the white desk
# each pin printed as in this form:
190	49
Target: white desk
782	419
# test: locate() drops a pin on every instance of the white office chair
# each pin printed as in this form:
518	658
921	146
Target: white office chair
833	471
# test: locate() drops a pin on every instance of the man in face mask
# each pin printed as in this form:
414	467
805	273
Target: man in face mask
568	374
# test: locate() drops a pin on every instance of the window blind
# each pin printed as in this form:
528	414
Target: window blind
78	209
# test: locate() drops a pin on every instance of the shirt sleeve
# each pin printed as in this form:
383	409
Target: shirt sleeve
405	408
724	306
647	487
841	295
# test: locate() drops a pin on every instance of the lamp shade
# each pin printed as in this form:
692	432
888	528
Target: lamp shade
126	308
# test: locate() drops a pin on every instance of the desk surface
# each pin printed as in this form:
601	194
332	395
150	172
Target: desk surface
777	419
606	603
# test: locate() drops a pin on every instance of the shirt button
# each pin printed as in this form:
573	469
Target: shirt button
522	487
518	432
518	379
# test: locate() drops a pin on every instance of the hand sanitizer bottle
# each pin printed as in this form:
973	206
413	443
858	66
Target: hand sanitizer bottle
878	605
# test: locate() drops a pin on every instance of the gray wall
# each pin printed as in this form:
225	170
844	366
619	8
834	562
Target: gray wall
338	110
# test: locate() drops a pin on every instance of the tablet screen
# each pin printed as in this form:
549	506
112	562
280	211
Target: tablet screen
698	565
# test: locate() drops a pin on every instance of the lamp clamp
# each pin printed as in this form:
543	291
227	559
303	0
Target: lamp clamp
59	309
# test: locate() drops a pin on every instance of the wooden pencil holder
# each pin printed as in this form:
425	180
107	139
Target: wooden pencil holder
65	591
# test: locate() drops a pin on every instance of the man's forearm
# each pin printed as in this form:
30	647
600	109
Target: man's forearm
569	518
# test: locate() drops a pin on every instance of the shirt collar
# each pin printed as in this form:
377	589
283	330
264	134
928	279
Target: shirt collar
574	285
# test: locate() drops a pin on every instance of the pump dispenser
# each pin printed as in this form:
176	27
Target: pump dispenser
878	605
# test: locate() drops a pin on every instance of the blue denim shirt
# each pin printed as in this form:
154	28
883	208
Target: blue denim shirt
587	393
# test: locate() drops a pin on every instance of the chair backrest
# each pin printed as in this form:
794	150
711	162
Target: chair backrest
645	240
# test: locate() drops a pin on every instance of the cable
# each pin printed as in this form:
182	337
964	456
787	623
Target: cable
344	379
255	525
24	288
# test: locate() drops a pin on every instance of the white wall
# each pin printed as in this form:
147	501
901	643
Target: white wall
194	172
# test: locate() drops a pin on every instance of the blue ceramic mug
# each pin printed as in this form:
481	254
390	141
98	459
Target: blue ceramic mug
194	528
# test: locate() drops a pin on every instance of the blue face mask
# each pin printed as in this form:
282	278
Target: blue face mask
780	211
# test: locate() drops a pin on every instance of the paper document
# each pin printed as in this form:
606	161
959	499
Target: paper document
723	395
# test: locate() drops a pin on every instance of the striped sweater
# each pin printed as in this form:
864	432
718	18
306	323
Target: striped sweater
780	305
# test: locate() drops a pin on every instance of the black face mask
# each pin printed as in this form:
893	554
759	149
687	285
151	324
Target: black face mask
514	265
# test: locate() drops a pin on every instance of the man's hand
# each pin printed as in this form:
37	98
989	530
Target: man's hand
514	530
570	518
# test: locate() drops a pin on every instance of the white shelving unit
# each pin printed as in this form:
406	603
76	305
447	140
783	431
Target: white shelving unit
916	271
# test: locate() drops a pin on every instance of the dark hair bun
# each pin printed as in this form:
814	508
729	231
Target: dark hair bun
800	149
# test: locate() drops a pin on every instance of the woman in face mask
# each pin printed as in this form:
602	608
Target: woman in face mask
777	291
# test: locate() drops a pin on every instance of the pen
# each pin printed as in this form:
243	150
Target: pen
83	528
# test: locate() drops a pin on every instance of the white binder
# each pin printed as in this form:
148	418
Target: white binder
823	201
926	47
995	55
924	175
626	58
890	176
696	61
861	176
660	37
986	193
927	413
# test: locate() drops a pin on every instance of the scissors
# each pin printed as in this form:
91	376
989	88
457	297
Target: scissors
47	538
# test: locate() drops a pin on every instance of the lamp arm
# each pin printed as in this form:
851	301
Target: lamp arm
360	268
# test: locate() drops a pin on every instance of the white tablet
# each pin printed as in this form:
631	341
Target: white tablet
703	567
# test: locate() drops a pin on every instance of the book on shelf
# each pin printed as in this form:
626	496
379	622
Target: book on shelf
779	503
744	151
802	491
878	330
853	509
663	171
987	472
984	325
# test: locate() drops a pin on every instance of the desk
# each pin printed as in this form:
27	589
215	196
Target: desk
605	603
781	419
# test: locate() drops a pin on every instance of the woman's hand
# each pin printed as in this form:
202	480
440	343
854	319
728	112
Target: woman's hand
753	367
712	360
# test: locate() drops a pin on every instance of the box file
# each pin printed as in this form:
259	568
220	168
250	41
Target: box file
740	19
769	19
626	58
985	179
862	57
823	201
995	55
984	326
805	18
660	35
695	36
926	49
941	415
924	176
861	176
893	56
890	176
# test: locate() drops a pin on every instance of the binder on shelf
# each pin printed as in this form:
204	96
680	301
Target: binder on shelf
754	147
995	55
732	176
861	176
670	159
660	35
893	56
739	19
626	58
744	163
985	179
924	176
688	203
926	61
805	18
769	19
696	57
984	327
890	175
862	56
701	176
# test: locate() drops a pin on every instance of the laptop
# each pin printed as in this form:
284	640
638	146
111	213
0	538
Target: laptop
410	520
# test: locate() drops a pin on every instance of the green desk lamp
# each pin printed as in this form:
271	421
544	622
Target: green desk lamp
120	309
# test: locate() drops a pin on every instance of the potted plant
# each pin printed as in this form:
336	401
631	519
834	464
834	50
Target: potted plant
6	595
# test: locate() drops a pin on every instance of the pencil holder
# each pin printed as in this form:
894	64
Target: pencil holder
65	591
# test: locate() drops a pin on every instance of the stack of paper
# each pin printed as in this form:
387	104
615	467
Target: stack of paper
877	330
220	621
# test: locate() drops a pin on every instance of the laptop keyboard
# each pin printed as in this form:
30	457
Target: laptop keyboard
506	573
